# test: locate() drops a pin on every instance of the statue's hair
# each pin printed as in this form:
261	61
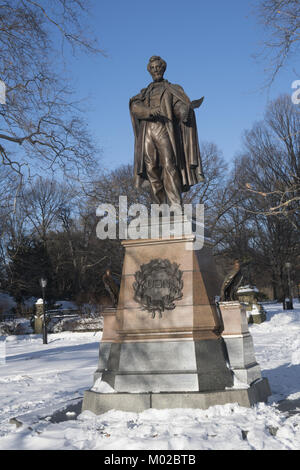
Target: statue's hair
157	57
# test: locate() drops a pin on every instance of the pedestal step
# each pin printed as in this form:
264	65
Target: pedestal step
100	403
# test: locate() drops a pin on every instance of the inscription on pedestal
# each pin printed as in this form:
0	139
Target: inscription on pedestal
158	285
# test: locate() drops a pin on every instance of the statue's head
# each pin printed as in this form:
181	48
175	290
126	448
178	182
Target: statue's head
156	67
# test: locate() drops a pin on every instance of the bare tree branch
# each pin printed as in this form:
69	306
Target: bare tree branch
281	19
40	126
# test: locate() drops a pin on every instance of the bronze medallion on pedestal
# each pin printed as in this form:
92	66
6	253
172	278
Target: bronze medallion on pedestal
158	285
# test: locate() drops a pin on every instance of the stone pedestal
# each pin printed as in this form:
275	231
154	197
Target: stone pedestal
38	318
239	342
249	297
170	353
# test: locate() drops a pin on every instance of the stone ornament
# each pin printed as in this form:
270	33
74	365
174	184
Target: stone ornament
158	285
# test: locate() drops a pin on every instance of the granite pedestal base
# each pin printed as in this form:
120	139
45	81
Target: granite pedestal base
100	403
186	365
177	358
257	317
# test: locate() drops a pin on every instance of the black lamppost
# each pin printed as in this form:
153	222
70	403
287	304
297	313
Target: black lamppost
288	268
43	282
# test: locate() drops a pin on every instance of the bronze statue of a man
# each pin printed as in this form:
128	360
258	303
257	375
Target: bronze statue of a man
166	141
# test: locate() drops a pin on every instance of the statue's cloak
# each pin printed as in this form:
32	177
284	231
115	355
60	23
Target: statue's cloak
183	137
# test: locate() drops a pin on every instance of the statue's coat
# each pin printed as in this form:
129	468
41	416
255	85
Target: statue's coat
183	137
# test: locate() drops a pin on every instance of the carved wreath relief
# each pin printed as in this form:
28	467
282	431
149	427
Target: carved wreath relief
157	285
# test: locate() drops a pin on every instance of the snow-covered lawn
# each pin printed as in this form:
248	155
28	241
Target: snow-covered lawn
38	379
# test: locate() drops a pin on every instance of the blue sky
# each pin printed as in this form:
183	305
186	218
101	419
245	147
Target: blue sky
208	46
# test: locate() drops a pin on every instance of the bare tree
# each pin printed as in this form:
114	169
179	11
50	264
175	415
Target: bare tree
271	162
40	126
217	193
267	174
119	182
41	201
281	19
262	243
8	188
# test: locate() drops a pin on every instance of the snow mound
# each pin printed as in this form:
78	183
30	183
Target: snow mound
102	387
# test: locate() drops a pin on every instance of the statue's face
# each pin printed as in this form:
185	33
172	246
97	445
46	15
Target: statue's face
156	70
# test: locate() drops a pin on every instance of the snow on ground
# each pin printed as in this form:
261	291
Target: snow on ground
38	379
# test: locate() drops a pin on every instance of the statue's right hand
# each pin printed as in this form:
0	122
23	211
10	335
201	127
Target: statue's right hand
155	112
